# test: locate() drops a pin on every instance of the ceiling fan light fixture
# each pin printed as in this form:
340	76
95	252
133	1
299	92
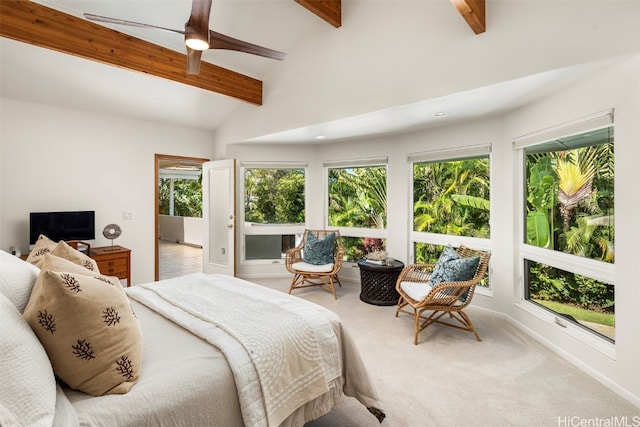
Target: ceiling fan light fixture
196	42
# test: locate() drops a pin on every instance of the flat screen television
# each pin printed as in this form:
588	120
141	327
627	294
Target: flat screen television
71	225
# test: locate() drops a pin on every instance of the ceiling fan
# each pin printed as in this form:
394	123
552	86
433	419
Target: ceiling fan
198	37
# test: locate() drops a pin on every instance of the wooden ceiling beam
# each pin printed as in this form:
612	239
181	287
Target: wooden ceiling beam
329	10
41	26
473	11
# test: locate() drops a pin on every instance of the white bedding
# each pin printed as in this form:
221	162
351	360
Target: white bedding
186	381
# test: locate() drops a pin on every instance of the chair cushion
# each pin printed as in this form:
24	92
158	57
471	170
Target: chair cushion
319	251
416	290
312	268
87	327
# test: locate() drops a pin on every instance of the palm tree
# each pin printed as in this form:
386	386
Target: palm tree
574	186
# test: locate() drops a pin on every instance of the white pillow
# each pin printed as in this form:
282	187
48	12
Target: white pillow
16	279
28	392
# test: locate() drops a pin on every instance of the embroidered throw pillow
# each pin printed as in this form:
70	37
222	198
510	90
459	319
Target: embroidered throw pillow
43	245
87	327
319	251
63	250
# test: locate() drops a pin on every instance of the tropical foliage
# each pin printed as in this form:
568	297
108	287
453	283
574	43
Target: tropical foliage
452	198
187	195
570	201
358	198
274	196
570	195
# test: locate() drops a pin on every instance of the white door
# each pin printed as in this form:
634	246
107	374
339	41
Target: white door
219	215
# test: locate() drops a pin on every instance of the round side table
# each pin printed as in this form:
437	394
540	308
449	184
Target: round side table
378	282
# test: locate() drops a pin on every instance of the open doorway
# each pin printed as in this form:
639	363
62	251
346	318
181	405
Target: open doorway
178	248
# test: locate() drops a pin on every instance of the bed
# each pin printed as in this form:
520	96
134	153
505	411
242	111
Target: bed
216	351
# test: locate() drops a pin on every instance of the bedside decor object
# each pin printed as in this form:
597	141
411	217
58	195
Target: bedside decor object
112	232
378	257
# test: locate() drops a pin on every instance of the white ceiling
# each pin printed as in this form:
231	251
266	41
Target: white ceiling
39	75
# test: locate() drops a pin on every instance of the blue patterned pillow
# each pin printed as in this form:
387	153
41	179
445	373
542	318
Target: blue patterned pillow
438	273
319	251
451	268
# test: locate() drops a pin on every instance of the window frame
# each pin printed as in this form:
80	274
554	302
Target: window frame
595	269
268	229
447	155
356	232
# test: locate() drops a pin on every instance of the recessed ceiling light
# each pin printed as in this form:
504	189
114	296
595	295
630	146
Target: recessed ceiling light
320	137
440	114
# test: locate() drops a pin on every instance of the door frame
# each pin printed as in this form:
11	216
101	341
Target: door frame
156	192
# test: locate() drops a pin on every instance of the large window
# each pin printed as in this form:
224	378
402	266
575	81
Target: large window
273	209
357	206
450	202
568	225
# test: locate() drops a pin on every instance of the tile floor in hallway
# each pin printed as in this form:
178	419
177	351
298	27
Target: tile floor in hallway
177	259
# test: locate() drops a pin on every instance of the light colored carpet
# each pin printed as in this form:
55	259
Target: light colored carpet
450	379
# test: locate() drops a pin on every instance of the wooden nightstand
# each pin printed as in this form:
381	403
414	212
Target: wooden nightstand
113	261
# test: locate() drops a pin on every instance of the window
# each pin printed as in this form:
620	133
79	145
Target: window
273	209
274	196
357	206
450	202
568	248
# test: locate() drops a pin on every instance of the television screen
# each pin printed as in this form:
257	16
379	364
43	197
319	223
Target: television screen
74	225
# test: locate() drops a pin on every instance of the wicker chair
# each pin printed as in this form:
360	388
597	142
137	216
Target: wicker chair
306	275
444	298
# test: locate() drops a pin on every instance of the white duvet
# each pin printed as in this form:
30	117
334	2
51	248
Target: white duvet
283	351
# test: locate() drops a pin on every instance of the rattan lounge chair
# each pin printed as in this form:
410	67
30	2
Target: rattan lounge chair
417	296
306	274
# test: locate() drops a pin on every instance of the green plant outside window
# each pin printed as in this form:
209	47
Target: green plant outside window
452	197
358	197
187	197
274	196
569	191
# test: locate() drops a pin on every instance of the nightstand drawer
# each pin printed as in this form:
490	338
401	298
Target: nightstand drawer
113	261
114	267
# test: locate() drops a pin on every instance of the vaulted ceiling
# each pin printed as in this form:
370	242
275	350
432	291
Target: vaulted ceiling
140	72
46	27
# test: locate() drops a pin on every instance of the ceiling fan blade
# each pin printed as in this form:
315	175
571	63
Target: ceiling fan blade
193	61
220	41
98	18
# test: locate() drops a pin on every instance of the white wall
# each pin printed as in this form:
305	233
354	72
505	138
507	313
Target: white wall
54	158
617	87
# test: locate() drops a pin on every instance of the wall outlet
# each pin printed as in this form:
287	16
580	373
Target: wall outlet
127	215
